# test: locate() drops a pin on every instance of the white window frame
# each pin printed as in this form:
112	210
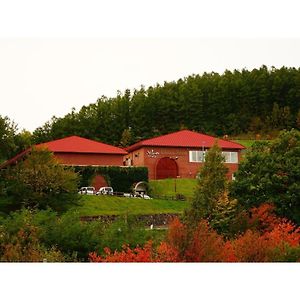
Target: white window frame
230	157
196	156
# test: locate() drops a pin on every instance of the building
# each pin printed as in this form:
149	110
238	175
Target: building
78	151
174	155
180	154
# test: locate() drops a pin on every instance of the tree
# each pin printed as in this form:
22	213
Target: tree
224	213
298	120
23	140
8	131
211	185
40	182
126	138
228	103
270	173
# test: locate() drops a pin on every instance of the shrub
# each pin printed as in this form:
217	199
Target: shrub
23	244
126	230
74	238
270	239
39	182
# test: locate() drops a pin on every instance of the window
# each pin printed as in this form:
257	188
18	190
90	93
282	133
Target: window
197	156
230	157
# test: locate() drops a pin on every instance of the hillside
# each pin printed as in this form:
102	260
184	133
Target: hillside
257	101
171	187
110	205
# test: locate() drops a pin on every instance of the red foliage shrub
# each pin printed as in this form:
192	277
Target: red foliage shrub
268	246
126	255
263	217
200	245
268	239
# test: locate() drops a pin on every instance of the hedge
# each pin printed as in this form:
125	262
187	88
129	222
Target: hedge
120	178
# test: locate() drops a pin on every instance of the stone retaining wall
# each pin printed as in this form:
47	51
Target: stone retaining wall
155	219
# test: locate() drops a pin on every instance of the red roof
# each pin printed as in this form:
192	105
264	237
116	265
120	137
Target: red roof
76	144
72	144
185	138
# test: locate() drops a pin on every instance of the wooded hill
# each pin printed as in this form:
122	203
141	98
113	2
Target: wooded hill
235	102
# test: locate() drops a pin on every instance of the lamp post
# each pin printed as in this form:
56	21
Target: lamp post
203	147
175	184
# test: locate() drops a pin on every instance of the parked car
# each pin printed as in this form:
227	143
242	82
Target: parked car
87	190
128	195
142	196
105	190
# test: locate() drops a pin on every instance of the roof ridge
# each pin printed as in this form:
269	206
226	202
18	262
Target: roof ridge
185	140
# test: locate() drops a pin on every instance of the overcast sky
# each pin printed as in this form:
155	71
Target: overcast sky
45	77
59	54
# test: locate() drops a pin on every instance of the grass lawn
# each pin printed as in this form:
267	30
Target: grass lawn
111	205
166	187
247	143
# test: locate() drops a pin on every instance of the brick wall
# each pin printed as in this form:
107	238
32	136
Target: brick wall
149	157
89	159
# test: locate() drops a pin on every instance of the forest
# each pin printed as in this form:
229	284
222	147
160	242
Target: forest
261	100
240	102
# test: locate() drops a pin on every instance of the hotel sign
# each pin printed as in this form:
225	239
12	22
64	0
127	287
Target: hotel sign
152	153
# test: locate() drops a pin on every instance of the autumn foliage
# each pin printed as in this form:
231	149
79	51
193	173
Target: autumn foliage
267	239
24	246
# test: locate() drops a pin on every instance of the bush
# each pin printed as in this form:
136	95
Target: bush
20	241
39	182
125	230
268	239
74	238
270	173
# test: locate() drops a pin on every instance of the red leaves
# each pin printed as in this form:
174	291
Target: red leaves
268	239
263	217
126	255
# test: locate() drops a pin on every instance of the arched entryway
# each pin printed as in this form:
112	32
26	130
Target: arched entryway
166	168
98	182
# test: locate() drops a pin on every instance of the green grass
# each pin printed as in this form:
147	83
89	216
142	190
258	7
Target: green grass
247	143
111	205
166	187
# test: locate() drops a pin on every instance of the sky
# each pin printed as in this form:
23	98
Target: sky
42	77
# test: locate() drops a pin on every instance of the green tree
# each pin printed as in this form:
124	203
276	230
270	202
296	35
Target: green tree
224	213
23	140
126	138
40	182
298	120
270	173
211	185
8	130
229	103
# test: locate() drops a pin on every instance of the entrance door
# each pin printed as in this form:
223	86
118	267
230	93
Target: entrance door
166	168
98	182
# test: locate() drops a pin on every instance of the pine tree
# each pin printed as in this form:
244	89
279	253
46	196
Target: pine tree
126	138
298	120
211	185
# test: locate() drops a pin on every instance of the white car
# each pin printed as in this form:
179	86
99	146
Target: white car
105	190
87	190
142	196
